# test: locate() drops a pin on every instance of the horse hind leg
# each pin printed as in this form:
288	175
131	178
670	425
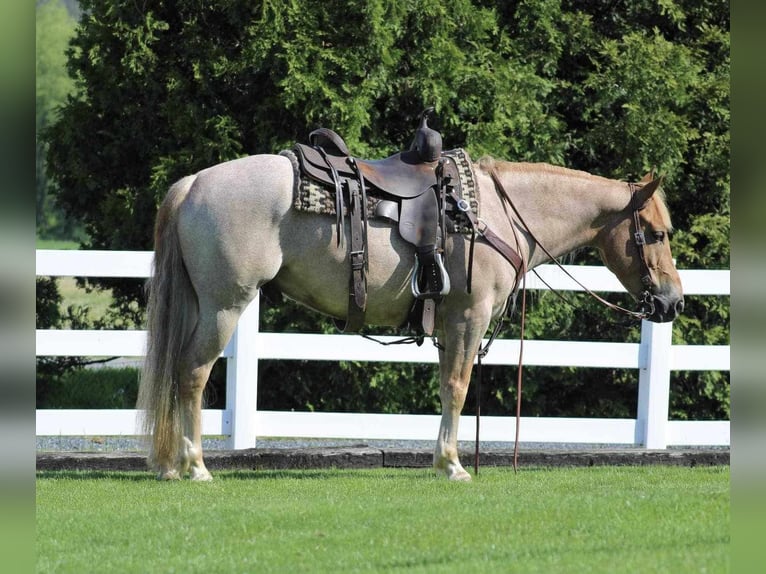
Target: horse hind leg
214	328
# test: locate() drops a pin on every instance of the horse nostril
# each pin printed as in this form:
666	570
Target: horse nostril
679	307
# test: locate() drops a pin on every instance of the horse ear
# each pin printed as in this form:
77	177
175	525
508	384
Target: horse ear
648	177
645	192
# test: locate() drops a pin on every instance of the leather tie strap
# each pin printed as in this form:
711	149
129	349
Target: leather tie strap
357	303
338	196
481	229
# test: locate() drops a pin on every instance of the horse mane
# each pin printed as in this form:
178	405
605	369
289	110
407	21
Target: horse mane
488	163
662	206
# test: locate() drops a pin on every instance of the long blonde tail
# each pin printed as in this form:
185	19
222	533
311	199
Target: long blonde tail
171	319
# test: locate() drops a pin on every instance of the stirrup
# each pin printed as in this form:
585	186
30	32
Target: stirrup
444	276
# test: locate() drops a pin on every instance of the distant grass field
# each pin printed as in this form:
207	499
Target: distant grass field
56	244
97	302
600	519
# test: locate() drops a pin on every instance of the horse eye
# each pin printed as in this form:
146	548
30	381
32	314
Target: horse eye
659	235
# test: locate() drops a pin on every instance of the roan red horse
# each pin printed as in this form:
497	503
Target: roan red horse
227	231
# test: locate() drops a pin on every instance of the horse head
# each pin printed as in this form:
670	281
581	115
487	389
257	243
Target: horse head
635	246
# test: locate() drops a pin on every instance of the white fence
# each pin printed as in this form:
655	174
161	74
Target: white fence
655	357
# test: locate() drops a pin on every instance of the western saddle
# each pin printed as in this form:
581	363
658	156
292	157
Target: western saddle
412	188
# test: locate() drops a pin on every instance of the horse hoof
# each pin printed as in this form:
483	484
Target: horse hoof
460	476
201	475
454	471
172	474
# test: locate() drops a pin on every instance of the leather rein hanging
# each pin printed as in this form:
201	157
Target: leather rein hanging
521	268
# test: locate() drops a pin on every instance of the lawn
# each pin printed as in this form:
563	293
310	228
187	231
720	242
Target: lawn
97	302
56	244
599	519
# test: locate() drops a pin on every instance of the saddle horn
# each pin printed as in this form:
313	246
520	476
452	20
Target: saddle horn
427	142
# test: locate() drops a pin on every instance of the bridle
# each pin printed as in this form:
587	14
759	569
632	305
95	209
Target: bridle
646	302
639	238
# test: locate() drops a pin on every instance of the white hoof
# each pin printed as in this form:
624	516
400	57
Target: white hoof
459	475
201	475
454	470
171	474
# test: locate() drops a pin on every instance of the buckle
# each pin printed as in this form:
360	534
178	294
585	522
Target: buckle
357	260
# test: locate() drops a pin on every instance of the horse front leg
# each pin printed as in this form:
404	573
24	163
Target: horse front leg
458	350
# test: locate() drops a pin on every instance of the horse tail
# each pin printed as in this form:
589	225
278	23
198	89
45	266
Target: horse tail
171	318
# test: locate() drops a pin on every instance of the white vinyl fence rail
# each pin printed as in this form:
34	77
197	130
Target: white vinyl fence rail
655	357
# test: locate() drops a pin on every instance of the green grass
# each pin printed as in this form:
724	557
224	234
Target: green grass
97	302
601	519
56	244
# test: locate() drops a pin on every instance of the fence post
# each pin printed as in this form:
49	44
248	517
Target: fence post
242	379
654	384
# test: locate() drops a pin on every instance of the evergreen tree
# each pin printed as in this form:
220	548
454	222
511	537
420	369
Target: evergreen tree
616	88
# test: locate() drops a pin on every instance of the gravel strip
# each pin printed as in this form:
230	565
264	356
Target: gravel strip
109	444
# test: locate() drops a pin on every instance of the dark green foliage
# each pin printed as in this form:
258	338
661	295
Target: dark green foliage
94	388
345	386
615	88
66	382
48	315
348	387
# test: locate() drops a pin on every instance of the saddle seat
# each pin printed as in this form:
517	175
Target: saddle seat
403	175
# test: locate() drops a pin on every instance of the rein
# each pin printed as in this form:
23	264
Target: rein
646	302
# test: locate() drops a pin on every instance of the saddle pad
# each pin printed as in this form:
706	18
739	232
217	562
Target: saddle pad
312	197
469	190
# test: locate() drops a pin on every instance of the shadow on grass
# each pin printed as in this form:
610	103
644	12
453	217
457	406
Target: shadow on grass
243	475
317	474
127	475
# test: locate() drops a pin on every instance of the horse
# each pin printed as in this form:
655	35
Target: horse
231	229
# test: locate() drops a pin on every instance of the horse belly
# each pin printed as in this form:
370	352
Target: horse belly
316	271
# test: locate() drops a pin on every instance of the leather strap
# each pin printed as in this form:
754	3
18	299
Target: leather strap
357	302
429	316
508	252
483	230
338	196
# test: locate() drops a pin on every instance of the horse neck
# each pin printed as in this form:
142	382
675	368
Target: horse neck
564	209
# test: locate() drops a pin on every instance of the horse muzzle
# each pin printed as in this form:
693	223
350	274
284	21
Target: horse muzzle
661	308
